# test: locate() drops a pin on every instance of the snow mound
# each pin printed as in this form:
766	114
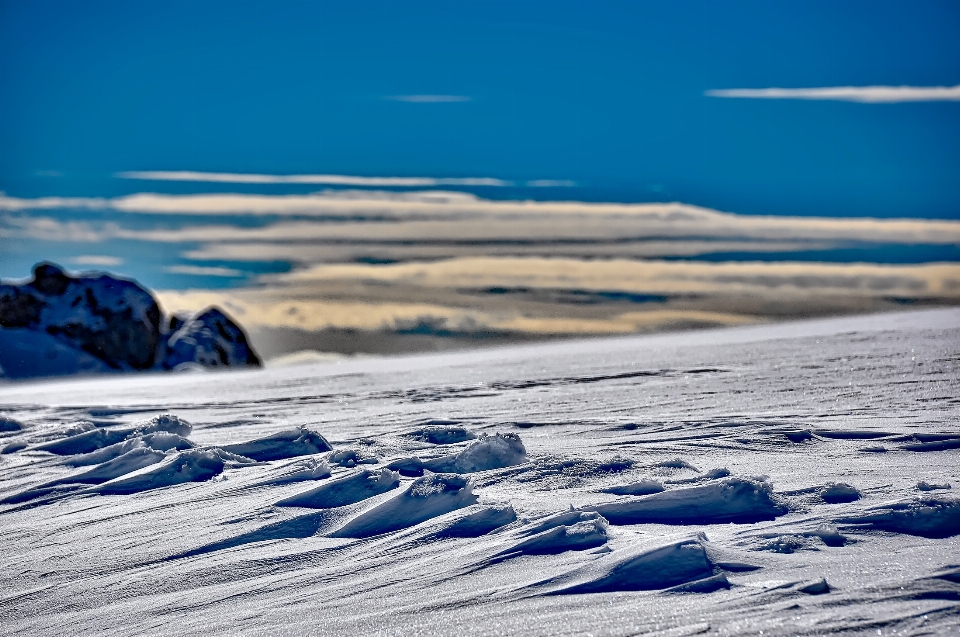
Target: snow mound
488	452
581	535
99	437
930	516
927	486
191	465
133	460
736	500
158	441
554	520
347	490
425	498
442	435
839	493
644	487
9	424
410	467
636	570
84	443
350	458
164	422
713	474
290	443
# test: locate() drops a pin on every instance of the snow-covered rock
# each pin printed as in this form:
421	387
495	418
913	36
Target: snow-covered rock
57	324
209	339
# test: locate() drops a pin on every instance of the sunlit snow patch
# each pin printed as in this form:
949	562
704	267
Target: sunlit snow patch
425	498
729	500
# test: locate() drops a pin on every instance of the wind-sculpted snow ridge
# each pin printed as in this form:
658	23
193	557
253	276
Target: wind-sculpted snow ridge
930	516
298	471
634	569
191	465
425	498
346	490
284	444
576	531
488	452
737	500
644	487
99	437
158	441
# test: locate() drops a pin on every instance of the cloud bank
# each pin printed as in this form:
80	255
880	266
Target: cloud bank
424	217
328	180
866	94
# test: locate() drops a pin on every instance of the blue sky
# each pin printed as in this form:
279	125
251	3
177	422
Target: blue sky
553	101
609	95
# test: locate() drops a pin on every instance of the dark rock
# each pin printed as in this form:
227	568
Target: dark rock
115	321
210	339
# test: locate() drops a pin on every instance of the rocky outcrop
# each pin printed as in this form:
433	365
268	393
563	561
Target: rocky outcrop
209	339
113	320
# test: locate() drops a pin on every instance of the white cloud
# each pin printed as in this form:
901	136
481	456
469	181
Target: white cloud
328	180
869	94
428	99
439	216
202	270
551	183
96	259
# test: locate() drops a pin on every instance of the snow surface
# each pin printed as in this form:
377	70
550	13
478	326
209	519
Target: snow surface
793	479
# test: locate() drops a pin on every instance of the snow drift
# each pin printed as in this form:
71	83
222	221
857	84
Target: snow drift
425	498
488	452
191	465
284	444
636	569
729	500
931	516
347	490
